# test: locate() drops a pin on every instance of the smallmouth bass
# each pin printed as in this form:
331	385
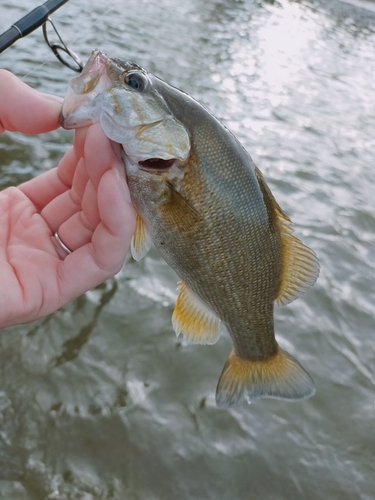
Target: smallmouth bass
206	207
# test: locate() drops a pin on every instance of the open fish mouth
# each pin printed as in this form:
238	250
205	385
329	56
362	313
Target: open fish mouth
156	165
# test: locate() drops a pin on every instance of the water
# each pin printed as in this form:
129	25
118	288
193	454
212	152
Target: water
99	400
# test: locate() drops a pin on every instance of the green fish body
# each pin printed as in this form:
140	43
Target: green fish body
206	207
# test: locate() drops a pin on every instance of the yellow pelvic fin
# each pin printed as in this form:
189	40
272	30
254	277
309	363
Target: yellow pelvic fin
193	318
300	265
280	377
141	241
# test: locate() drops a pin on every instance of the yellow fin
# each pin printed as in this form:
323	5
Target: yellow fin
194	319
141	241
300	265
279	377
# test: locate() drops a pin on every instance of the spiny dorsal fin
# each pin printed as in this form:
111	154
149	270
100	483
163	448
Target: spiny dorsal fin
193	318
279	377
300	266
141	241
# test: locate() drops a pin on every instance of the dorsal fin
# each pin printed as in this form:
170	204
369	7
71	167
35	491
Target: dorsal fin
193	318
141	241
300	266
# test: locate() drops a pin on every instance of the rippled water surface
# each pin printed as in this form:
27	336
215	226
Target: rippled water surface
100	400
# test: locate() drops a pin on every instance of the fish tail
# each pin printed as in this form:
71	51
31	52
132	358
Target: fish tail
280	377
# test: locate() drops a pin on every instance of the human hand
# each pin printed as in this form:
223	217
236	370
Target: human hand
85	199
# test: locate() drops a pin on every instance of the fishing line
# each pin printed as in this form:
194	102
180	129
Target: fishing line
111	7
40	17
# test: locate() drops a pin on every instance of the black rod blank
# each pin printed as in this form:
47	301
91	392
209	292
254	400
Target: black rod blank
29	23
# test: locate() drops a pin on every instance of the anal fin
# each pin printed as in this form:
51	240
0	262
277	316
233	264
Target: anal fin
141	241
192	317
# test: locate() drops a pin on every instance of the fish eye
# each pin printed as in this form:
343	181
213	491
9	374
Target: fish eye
136	81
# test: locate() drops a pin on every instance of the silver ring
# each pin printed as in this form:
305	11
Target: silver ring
63	246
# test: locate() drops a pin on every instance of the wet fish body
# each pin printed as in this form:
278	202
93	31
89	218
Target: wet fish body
206	207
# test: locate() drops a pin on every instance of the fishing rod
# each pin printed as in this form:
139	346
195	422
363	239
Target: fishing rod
33	20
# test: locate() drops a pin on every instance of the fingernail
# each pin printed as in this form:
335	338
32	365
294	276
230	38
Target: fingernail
117	149
119	169
50	97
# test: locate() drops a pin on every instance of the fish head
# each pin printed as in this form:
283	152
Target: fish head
123	98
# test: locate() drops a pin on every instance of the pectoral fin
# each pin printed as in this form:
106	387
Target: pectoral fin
194	318
300	265
141	241
180	212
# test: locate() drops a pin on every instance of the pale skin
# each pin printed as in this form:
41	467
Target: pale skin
85	198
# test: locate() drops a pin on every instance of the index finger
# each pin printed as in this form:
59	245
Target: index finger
23	109
99	153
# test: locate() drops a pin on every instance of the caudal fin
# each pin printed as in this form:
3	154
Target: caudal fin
280	377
